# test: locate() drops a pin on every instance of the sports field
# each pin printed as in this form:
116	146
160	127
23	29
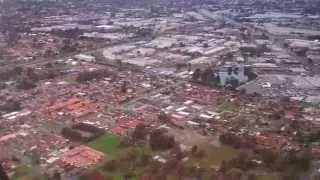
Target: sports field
109	144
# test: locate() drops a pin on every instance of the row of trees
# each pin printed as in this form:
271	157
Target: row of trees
140	133
10	73
160	139
25	77
73	133
69	33
206	77
90	75
10	29
29	77
290	165
236	141
10	106
285	161
210	78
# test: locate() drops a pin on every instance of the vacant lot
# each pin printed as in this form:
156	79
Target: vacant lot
190	137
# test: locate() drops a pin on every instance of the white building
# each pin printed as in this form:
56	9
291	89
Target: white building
84	57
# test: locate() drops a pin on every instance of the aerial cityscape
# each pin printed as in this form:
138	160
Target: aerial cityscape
160	90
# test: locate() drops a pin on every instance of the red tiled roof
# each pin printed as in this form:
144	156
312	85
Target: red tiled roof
118	130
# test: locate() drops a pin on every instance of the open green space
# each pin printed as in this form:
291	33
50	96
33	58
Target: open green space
309	104
130	160
228	106
119	175
109	144
262	175
215	156
26	173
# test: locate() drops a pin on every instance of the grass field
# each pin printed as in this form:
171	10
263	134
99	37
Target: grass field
109	144
26	173
125	165
261	175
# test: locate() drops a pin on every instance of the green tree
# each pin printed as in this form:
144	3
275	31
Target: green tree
207	77
56	176
196	75
140	132
110	165
25	83
163	117
252	177
234	82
